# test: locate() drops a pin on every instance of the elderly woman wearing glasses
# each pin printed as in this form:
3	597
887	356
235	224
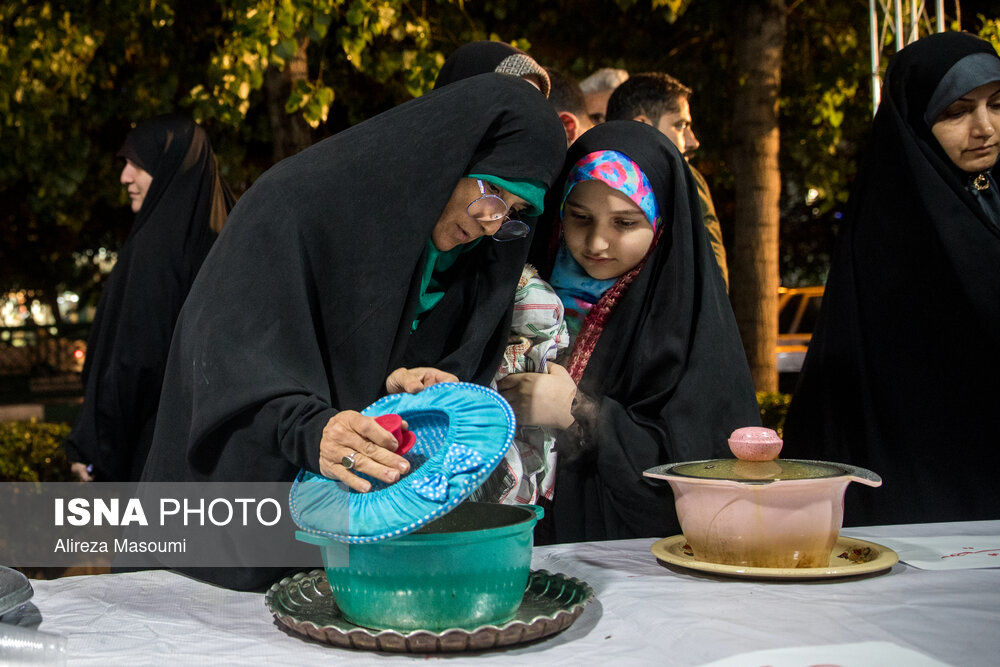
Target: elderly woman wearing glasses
377	261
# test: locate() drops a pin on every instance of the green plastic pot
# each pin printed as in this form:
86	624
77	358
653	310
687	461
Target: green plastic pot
465	569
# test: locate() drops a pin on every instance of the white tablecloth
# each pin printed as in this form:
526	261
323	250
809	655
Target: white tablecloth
644	613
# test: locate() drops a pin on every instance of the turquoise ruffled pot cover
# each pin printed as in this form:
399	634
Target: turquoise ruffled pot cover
462	433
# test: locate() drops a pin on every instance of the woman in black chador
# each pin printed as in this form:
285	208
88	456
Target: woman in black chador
901	375
366	264
181	204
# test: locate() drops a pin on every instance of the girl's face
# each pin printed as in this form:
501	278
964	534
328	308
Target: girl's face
605	231
456	226
969	129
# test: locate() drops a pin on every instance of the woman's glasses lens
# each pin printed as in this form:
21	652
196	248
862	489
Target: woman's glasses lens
488	208
511	230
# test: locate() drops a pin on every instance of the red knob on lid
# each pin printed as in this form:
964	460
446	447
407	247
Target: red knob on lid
394	424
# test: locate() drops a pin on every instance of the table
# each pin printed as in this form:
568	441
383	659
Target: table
644	613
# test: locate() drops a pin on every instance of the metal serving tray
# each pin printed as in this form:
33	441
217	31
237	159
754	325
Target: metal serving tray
14	589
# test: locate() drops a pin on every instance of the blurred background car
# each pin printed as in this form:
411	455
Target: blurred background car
798	309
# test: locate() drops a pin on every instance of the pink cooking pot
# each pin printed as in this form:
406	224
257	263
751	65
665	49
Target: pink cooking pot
757	510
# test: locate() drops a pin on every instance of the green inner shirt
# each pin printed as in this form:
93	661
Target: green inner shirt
431	289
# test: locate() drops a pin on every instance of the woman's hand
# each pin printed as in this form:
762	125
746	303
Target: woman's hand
80	472
414	380
351	434
541	399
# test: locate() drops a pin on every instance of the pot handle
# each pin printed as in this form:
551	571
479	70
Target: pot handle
658	475
862	475
539	511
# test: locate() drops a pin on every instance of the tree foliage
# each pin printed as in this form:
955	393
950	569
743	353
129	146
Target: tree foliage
264	33
75	75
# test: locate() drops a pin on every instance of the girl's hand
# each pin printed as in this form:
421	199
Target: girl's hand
541	399
414	380
368	446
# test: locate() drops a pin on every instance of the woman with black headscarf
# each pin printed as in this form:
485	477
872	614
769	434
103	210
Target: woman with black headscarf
340	271
181	204
656	371
901	371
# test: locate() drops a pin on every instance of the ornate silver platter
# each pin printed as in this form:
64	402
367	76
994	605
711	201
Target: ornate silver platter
15	589
304	605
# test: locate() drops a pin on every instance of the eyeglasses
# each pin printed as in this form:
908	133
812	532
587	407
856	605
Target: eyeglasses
489	208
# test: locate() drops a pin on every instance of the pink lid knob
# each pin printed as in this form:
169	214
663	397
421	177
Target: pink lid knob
394	424
755	443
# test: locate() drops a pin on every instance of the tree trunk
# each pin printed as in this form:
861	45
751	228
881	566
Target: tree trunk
290	131
754	277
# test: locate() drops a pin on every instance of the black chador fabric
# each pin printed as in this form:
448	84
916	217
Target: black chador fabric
305	304
901	374
127	350
668	378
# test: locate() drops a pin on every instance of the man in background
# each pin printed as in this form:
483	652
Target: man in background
569	103
597	88
662	101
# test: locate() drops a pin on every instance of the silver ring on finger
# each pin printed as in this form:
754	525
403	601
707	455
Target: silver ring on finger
348	461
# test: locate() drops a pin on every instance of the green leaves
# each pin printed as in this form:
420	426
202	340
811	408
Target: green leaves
990	30
320	26
31	451
312	99
773	409
672	9
285	49
295	36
